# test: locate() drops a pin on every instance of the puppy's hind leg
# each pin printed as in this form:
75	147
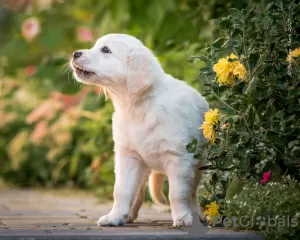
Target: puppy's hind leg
194	200
136	205
181	176
194	195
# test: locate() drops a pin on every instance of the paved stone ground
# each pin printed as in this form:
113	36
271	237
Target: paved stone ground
33	214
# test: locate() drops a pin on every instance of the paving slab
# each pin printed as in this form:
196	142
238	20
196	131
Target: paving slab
36	214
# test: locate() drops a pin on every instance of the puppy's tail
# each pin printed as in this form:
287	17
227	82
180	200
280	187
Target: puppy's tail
156	185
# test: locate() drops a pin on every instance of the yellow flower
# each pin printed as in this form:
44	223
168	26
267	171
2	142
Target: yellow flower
227	71
212	210
209	132
212	116
293	54
239	71
223	71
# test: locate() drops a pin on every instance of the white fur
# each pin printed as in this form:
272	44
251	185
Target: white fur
155	117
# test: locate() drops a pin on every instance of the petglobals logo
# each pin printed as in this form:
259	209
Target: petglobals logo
255	221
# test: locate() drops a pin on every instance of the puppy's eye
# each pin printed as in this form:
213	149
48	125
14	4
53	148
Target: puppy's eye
105	50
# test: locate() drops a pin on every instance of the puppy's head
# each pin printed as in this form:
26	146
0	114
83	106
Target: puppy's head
119	63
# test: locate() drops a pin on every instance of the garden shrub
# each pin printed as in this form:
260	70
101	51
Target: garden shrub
64	139
272	208
251	79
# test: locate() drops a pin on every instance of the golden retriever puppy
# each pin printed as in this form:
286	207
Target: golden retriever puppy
155	117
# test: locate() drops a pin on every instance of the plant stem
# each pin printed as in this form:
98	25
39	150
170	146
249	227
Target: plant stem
226	104
249	85
245	50
216	95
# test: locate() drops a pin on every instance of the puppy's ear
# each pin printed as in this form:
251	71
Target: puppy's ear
142	71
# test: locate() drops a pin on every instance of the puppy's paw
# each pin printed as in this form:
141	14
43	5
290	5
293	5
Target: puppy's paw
185	221
130	219
111	220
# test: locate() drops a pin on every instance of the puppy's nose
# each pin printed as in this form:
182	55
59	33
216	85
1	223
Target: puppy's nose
77	54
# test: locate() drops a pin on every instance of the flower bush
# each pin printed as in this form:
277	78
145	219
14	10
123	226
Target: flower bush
252	77
55	141
272	208
259	129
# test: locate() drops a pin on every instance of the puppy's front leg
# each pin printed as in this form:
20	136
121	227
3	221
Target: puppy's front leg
130	174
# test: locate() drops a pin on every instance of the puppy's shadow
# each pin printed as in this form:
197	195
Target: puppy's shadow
197	228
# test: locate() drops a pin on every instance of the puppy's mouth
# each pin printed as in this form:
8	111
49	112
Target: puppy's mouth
82	72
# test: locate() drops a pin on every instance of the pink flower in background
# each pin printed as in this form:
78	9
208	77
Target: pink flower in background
31	28
39	132
84	34
70	100
30	70
266	177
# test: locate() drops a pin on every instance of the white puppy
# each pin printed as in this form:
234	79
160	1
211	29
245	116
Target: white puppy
155	117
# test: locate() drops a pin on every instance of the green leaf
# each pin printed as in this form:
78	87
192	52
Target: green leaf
290	118
276	169
280	114
245	137
234	187
295	148
206	71
223	22
51	39
214	178
251	89
294	92
207	186
219	42
253	58
292	143
251	117
260	67
244	163
192	146
211	98
276	139
204	201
